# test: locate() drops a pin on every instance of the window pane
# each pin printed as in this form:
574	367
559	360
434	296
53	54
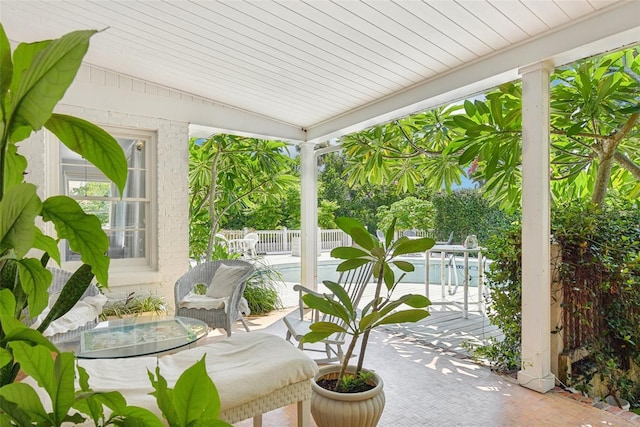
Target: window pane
126	244
122	217
127	215
135	185
98	208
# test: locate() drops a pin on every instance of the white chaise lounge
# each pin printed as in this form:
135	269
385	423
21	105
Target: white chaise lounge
254	373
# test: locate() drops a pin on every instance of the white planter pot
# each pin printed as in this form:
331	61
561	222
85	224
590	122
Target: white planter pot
331	409
611	401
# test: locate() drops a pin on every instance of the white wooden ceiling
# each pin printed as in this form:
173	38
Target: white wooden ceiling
328	66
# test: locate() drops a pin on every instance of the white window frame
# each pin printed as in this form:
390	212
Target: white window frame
124	270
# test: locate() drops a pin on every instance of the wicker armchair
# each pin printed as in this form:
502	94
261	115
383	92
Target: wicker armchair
215	318
59	279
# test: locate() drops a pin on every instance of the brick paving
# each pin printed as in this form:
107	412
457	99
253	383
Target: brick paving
432	386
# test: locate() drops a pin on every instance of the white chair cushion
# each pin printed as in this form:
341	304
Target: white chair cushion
192	300
224	280
203	302
86	310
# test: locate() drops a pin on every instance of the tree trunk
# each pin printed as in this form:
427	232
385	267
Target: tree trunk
607	156
603	175
374	308
212	201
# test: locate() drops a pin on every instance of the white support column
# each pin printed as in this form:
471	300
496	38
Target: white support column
309	215
535	371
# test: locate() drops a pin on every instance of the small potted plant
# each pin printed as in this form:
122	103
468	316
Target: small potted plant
338	388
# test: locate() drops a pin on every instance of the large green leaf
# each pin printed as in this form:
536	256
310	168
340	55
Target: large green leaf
28	406
341	294
136	416
35	281
326	306
16	331
195	396
368	321
316	336
412	246
50	72
327	327
18	210
348	252
92	143
404	266
64	376
14	168
356	230
7	305
47	244
6	66
84	233
5	357
163	396
351	264
37	363
403	316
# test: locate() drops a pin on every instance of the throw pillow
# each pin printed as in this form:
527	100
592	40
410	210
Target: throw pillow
224	280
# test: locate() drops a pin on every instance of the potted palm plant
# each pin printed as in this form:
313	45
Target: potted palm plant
346	395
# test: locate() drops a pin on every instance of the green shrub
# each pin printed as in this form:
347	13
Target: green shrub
600	278
133	305
262	289
466	212
504	283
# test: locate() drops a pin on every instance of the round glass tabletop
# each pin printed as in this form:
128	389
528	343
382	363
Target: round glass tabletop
136	336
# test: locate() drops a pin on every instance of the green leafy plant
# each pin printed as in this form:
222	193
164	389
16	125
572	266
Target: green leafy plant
381	309
261	291
32	81
504	283
133	305
194	401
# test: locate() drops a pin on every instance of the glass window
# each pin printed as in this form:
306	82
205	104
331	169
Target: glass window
125	219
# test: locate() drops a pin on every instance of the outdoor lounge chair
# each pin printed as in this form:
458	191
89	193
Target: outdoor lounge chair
223	303
250	241
298	322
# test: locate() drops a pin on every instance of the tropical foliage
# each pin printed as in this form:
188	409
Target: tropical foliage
410	213
594	125
32	81
381	309
465	212
353	200
599	273
228	174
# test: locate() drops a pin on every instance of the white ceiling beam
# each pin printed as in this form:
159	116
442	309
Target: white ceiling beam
610	29
207	114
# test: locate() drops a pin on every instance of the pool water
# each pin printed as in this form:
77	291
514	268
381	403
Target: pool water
327	271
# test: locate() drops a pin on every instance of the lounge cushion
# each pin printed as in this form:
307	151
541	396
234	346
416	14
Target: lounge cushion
86	310
224	280
244	368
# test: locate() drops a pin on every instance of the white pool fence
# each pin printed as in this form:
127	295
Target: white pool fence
288	241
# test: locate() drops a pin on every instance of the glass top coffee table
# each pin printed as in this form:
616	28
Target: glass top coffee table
136	336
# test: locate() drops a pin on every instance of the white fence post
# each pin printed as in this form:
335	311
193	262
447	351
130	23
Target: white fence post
285	239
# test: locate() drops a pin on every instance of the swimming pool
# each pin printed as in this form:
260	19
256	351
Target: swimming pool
327	271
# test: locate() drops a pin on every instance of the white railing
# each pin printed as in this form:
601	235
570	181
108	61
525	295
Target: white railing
285	240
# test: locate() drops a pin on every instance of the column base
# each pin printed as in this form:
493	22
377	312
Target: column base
541	385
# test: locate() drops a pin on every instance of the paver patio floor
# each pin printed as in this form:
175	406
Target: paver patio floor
432	386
